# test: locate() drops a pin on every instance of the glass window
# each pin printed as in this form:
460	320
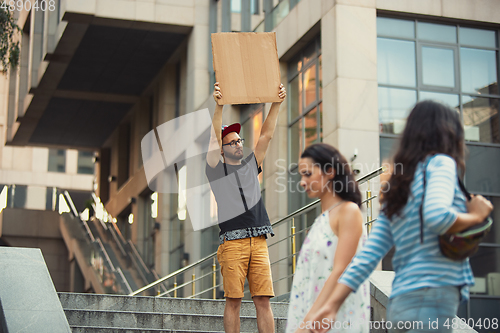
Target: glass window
438	67
57	160
396	62
149	227
388	146
463	77
310	53
395	28
19	194
281	11
320	80
310	85
85	162
460	70
494	235
295	195
482	174
485	263
477	37
437	32
304	120
311	127
320	122
478	69
236	6
394	105
295	65
481	118
296	145
294	93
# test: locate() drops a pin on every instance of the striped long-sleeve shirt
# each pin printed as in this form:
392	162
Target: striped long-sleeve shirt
418	265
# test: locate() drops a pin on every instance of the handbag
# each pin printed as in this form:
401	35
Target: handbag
463	244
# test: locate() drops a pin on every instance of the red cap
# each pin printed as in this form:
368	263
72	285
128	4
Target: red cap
226	129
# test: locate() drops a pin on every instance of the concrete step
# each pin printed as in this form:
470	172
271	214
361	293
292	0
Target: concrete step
157	321
159	304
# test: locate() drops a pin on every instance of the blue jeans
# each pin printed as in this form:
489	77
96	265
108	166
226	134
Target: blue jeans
424	310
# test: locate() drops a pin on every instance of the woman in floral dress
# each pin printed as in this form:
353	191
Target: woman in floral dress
325	174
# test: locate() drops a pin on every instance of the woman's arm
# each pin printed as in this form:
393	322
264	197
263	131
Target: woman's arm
328	312
439	215
478	209
378	244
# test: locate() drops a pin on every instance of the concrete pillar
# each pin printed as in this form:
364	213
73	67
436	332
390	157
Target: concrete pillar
226	16
36	42
275	173
350	113
71	161
22	88
268	19
212	29
246	16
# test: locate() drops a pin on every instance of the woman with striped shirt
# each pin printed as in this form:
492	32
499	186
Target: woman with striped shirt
427	287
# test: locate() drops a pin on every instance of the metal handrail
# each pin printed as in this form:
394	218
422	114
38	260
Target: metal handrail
89	232
369	199
176	288
70	203
118	243
138	256
136	265
299	211
108	259
283	258
177	272
156	276
204	291
186	283
120	272
371	175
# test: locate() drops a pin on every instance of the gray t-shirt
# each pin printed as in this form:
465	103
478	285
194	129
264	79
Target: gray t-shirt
240	208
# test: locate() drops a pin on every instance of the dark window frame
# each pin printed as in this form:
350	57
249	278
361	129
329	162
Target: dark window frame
457	90
293	73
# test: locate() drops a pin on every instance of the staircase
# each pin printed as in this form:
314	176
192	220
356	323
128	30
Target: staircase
103	254
92	313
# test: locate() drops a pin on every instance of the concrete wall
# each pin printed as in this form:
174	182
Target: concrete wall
38	229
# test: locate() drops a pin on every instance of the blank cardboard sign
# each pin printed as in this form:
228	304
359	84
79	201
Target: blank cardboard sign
247	67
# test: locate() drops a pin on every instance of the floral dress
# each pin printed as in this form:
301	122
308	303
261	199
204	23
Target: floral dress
314	265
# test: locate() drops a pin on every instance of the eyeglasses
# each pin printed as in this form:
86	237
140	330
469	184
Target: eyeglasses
233	144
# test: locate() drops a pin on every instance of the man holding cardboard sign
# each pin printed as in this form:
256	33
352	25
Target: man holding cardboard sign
243	219
240	60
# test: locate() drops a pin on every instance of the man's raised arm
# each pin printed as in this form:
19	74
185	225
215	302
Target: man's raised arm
268	128
214	149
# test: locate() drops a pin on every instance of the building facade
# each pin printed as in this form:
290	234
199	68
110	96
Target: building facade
31	180
99	75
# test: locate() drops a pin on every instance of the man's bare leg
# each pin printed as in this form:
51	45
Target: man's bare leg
232	315
265	318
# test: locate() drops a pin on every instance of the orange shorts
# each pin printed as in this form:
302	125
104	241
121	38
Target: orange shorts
245	258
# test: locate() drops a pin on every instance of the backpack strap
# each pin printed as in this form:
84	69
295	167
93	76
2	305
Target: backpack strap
464	190
421	209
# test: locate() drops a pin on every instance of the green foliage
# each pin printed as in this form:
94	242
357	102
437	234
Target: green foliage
9	49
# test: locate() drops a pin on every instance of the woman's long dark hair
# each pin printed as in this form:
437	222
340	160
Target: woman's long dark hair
431	128
327	157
